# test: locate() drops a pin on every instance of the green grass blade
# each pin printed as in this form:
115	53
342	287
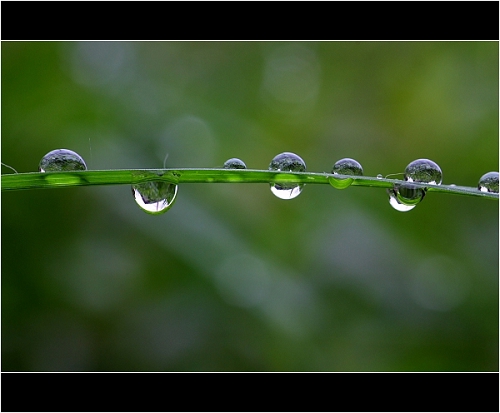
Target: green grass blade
39	180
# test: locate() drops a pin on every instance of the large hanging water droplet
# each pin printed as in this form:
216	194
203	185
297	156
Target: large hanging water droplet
424	170
346	166
155	197
234	163
489	182
405	197
287	162
62	160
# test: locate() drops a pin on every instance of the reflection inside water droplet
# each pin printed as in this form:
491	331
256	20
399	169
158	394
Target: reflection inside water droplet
424	170
287	162
488	182
405	197
62	160
155	197
234	163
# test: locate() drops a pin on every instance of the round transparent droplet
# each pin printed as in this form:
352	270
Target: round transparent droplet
424	170
405	197
338	183
380	176
234	163
155	197
396	204
489	182
62	160
347	166
287	162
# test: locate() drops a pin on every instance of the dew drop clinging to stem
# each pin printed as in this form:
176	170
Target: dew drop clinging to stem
425	171
62	160
287	162
488	182
410	194
234	163
339	183
347	166
155	197
405	197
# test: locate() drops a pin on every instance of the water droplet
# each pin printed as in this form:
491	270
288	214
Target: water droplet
155	197
287	162
424	170
62	160
405	197
234	163
410	194
340	183
489	182
380	176
346	166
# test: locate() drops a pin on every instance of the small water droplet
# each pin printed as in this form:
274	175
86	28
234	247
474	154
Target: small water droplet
489	182
287	162
155	197
405	197
346	166
380	176
62	160
424	170
234	163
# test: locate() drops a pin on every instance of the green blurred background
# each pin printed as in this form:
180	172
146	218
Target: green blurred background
233	278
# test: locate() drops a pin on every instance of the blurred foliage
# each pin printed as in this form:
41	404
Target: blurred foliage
233	278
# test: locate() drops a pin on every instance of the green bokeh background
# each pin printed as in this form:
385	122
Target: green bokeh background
233	278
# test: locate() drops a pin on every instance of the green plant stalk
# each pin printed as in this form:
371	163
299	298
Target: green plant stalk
40	180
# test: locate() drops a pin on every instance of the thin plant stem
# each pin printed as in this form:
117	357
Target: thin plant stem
39	180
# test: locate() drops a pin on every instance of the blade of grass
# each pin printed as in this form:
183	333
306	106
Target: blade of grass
39	180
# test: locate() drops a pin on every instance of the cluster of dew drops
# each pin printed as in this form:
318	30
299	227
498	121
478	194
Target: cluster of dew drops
158	196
